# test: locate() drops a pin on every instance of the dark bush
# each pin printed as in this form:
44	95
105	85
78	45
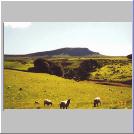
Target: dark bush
41	66
129	56
81	73
70	73
86	67
44	66
89	65
56	70
38	62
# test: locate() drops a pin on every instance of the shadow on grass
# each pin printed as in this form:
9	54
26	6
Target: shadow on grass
16	69
114	84
102	82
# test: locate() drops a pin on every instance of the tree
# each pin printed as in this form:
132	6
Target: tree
86	67
56	69
44	66
129	56
41	66
69	73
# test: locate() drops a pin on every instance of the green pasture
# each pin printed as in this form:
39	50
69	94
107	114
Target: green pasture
39	86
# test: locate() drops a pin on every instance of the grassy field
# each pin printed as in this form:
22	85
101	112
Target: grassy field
39	86
17	65
114	72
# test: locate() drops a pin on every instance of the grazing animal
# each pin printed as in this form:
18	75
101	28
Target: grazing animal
64	104
47	102
37	104
97	101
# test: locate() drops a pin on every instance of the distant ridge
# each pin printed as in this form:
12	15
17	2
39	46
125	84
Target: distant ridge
63	51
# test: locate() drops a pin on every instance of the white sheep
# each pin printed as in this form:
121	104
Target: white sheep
47	102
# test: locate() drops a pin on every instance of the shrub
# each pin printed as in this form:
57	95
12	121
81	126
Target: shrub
86	67
56	70
129	56
41	66
44	66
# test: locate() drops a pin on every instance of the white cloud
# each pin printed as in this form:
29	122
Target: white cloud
17	24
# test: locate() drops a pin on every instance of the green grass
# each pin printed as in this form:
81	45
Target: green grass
114	72
16	62
38	87
17	65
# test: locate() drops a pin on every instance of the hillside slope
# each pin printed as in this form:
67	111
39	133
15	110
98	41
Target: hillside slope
114	72
37	87
62	51
66	51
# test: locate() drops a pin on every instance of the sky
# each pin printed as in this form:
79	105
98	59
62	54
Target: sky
107	38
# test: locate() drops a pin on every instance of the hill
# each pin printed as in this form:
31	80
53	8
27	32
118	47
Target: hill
62	52
67	51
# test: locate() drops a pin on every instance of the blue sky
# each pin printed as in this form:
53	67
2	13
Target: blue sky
108	38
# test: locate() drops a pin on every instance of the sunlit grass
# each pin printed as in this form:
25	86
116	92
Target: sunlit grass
114	72
17	65
38	87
